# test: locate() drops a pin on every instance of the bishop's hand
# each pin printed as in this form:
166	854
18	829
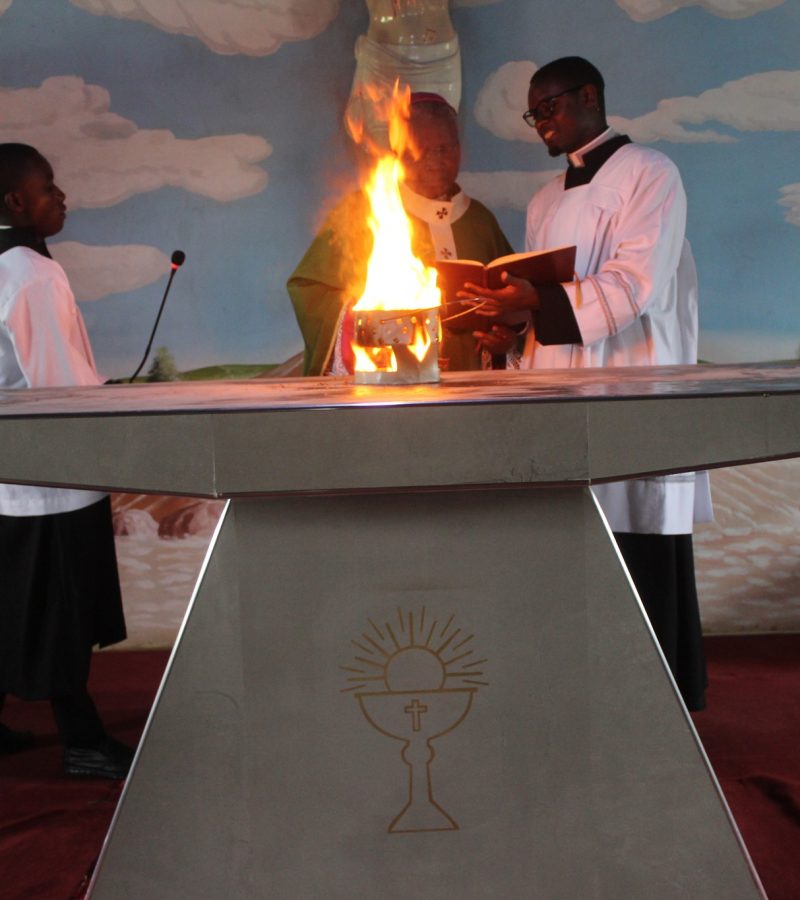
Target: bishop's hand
498	340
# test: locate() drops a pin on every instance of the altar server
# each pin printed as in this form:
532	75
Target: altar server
633	302
446	224
60	590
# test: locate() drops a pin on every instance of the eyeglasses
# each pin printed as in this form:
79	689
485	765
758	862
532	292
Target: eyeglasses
545	108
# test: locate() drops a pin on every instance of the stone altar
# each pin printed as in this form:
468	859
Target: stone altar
413	665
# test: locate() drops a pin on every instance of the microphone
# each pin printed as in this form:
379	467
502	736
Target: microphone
176	261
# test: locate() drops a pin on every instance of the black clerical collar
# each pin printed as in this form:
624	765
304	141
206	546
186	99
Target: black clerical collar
22	237
592	161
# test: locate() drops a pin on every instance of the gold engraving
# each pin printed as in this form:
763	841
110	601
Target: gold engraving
426	681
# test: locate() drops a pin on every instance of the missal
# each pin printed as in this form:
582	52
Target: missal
540	267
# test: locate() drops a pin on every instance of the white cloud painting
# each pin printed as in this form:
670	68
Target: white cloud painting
765	101
647	10
101	158
790	198
250	27
503	99
255	28
96	272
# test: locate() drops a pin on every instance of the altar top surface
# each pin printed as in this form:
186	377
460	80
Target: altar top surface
455	388
260	437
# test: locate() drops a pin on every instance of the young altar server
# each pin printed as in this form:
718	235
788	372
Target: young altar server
633	303
60	591
446	224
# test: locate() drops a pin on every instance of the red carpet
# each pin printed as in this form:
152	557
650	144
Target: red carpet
751	732
52	827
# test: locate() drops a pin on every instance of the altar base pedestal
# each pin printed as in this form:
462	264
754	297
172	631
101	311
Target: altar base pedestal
576	772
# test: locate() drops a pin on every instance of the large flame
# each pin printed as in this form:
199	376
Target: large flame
396	279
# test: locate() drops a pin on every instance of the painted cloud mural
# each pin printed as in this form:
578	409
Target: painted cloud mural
96	272
765	101
251	27
791	200
101	158
503	99
647	10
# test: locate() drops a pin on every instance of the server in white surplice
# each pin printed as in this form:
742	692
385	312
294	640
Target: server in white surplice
633	303
60	591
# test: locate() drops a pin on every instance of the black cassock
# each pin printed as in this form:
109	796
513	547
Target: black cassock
60	597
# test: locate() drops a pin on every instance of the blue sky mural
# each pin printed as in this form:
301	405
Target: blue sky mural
216	127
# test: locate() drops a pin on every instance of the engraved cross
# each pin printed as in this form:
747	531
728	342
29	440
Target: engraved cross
415	709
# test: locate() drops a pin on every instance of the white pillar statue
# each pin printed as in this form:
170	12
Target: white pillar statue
413	40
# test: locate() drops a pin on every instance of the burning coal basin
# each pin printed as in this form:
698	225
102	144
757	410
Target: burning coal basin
396	320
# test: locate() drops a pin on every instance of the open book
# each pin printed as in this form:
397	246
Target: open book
540	267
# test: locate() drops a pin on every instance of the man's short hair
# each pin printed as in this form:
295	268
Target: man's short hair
576	71
16	160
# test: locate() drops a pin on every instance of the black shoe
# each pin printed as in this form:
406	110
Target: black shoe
13	741
108	759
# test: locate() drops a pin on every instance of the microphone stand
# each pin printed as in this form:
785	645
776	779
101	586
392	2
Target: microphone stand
176	264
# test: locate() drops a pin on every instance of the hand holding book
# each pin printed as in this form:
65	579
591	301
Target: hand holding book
473	292
517	295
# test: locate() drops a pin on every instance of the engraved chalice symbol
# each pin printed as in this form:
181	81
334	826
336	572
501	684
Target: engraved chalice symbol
417	718
416	664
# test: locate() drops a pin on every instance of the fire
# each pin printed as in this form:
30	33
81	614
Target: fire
397	280
374	359
421	343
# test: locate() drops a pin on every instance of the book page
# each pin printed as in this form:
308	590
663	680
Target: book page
505	261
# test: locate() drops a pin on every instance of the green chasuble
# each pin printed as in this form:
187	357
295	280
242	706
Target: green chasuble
333	271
